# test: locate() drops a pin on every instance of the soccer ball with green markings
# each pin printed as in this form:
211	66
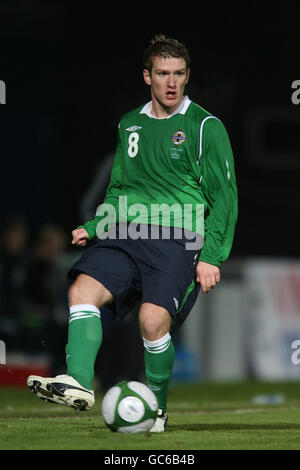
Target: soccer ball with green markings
129	407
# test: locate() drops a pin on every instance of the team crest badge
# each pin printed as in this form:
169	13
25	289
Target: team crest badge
178	138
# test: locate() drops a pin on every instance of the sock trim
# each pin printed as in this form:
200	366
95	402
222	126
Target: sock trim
81	311
81	317
84	308
158	346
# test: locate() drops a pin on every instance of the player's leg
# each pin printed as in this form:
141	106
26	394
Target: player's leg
108	270
86	296
155	323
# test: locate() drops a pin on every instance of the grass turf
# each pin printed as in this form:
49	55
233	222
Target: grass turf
201	417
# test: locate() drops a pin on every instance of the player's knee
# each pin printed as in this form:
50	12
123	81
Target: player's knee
150	330
86	290
75	294
154	322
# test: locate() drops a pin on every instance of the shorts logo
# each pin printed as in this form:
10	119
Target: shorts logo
178	138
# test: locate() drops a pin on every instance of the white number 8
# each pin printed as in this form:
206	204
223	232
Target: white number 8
133	144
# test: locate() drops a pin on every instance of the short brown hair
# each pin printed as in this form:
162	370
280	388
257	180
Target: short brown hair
162	46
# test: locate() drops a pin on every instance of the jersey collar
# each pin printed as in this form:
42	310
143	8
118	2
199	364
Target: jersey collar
180	110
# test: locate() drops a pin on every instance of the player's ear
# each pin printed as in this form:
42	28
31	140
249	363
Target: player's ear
188	71
147	76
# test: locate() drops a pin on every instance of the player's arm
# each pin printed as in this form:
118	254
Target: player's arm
219	187
87	231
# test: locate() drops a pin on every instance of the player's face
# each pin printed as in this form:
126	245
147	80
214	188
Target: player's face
167	81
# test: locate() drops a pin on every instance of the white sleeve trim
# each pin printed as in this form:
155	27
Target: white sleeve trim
201	135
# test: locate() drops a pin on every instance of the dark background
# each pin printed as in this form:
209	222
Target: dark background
72	69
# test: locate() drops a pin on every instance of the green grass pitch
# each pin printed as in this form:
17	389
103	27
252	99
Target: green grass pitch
201	416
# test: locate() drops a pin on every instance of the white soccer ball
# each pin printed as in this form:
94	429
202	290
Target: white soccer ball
129	407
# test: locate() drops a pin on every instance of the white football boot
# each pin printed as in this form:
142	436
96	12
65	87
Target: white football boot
160	424
62	389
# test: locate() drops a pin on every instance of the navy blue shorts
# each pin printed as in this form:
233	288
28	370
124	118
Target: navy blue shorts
160	271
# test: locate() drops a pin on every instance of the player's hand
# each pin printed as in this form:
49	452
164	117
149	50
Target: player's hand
207	275
80	237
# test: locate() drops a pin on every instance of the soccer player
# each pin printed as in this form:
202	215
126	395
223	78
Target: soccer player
165	226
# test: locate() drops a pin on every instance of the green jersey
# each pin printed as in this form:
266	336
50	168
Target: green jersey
174	171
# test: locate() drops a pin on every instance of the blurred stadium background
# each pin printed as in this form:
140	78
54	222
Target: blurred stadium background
71	72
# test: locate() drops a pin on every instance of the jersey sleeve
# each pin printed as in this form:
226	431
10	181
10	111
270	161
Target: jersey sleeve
112	193
220	190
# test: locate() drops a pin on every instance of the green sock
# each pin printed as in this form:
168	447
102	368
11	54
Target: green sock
84	341
159	360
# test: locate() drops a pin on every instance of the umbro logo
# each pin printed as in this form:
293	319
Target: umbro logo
133	128
154	388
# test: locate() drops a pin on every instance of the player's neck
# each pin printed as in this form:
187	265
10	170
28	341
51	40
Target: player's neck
159	111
